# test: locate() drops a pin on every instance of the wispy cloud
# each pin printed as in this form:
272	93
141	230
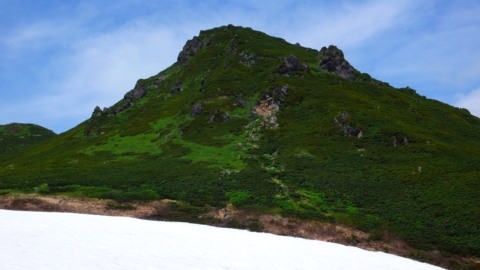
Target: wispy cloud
58	68
470	101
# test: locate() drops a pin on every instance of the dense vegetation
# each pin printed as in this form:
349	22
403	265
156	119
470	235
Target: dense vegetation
414	169
16	136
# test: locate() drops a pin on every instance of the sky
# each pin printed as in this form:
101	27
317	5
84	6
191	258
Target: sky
59	59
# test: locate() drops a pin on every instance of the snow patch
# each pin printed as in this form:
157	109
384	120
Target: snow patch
39	240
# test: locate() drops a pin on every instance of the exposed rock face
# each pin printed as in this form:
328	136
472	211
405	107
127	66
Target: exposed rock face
346	128
352	131
196	110
190	49
291	64
97	112
269	104
332	60
139	91
247	59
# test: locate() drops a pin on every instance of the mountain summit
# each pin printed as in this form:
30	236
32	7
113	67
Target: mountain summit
252	121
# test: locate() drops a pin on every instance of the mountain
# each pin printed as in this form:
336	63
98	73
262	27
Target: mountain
16	136
251	120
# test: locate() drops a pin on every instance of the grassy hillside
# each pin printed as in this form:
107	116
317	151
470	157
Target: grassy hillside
16	136
235	121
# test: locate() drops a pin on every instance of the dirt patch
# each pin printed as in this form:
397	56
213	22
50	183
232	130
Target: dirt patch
33	202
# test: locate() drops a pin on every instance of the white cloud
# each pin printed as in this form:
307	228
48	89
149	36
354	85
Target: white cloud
93	58
470	101
98	70
345	25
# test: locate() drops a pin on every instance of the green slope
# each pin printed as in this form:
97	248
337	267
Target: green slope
16	136
307	159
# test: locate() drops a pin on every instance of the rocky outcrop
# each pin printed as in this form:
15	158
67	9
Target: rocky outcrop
139	91
345	126
247	59
218	115
191	48
97	112
269	104
291	64
332	60
177	88
196	109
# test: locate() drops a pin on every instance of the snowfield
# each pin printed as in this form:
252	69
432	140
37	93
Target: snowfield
39	240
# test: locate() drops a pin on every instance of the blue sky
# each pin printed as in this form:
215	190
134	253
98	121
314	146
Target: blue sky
60	59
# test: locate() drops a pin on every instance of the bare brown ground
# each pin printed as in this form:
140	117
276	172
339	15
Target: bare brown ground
269	223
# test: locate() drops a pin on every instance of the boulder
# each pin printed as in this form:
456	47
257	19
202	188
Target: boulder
291	64
196	110
226	117
332	60
352	131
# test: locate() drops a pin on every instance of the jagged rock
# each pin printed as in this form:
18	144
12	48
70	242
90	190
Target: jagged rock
280	93
226	117
125	106
240	101
196	110
291	64
97	112
298	45
332	60
405	141
352	131
247	59
139	91
190	49
110	111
